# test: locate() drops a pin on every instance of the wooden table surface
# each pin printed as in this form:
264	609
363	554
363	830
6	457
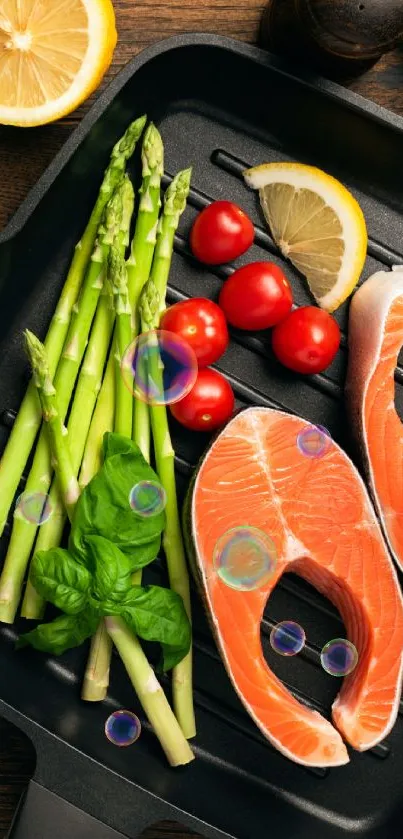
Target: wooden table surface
24	154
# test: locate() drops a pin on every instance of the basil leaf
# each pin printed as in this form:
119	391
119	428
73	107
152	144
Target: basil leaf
59	578
104	507
156	614
111	569
62	634
113	443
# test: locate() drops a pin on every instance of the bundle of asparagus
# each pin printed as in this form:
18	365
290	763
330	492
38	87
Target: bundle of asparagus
77	373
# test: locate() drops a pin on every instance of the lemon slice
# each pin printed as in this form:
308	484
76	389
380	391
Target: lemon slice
317	224
53	54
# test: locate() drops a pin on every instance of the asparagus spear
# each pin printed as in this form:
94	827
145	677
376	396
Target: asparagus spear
152	301
88	386
138	268
54	424
28	419
114	393
102	420
141	675
150	693
140	260
117	275
142	248
96	678
23	532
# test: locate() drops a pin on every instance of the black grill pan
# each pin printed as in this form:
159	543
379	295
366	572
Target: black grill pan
220	106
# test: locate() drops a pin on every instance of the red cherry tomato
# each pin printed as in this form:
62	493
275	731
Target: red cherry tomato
221	232
209	404
307	340
256	296
202	324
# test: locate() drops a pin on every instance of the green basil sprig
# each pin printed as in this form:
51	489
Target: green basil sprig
91	579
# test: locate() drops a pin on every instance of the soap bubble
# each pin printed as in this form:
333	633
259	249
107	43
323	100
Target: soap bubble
339	657
34	507
147	498
159	367
123	728
245	558
314	441
287	638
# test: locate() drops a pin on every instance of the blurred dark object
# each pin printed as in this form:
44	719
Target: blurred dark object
338	37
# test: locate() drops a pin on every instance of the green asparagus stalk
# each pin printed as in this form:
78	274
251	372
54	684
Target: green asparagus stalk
140	260
141	428
28	419
117	275
87	390
138	269
96	678
102	420
23	532
152	303
56	431
145	234
144	681
150	693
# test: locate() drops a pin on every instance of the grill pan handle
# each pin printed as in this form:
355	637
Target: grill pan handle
72	796
44	815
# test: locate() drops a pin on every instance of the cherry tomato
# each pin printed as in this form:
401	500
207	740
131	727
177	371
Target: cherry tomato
209	404
221	232
202	324
307	340
256	296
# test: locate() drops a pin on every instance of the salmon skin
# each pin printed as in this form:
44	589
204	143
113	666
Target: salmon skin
320	518
375	339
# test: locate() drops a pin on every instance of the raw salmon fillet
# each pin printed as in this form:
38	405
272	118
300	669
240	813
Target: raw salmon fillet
375	339
320	518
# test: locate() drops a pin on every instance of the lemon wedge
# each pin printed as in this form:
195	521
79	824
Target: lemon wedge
317	224
53	54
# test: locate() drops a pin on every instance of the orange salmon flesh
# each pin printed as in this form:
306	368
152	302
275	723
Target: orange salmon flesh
375	340
318	514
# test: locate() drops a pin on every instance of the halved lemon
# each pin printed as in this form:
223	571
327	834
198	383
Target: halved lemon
317	224
53	54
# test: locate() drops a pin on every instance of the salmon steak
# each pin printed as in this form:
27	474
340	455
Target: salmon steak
375	339
318	515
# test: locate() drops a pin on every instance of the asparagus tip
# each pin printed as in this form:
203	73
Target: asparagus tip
127	196
117	274
112	216
124	148
153	150
177	193
35	349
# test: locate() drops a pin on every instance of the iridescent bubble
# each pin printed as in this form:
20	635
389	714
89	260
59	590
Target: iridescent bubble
34	507
287	638
314	441
159	367
339	657
147	498
245	558
123	728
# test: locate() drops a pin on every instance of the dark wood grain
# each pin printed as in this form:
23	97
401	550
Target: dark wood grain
24	154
